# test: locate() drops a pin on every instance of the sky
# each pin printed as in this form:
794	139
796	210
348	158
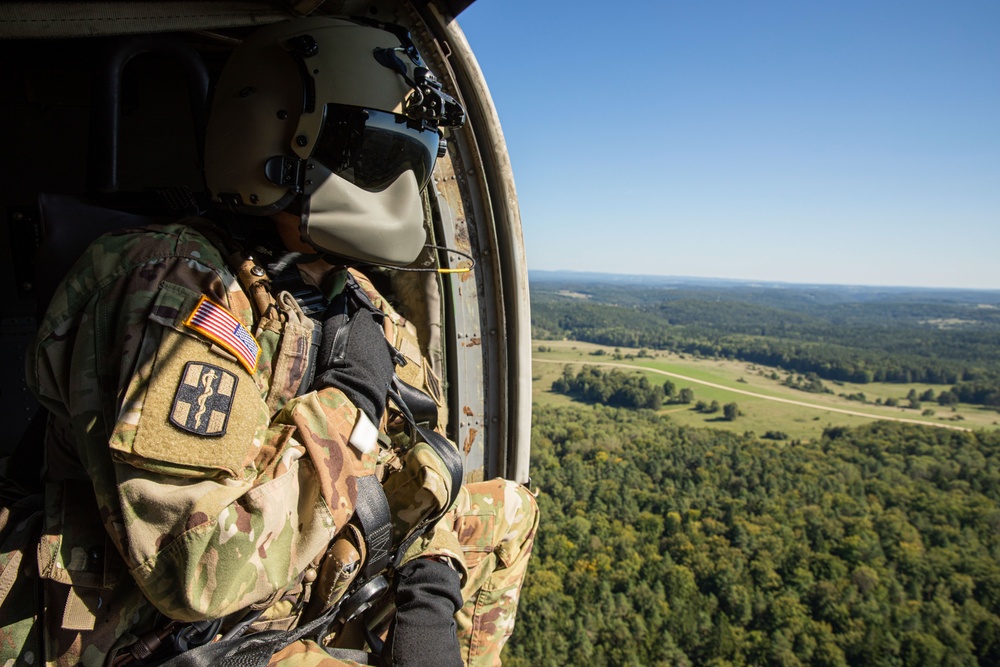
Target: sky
838	142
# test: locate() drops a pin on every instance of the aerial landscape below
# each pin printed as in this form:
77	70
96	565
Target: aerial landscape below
739	473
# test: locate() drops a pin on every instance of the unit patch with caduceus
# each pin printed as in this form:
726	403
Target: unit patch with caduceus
204	399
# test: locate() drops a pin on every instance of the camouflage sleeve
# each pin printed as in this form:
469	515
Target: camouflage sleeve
205	546
213	504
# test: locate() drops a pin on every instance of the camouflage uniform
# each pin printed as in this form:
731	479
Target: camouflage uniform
185	482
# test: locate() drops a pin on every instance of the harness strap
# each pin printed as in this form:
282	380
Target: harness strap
374	518
252	651
446	451
309	297
360	657
423	409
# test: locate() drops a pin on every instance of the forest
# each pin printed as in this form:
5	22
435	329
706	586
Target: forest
614	388
631	390
841	334
668	545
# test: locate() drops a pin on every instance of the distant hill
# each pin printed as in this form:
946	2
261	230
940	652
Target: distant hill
624	279
554	280
840	333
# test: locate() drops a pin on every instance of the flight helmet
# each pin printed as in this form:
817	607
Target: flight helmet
338	120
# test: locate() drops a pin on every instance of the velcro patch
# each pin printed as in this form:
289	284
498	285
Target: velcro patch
204	399
219	325
144	436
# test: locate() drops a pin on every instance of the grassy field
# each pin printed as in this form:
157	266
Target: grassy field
760	412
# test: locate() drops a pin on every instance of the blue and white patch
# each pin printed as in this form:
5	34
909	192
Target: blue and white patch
204	399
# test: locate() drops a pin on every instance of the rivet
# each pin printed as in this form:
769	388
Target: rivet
257	271
254	199
301	140
282	115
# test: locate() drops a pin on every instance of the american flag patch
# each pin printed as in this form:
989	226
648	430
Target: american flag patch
214	321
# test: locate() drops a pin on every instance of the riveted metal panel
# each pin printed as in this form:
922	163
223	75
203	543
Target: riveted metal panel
494	225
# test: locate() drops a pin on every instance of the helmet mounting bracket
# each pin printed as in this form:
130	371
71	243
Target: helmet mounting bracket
286	172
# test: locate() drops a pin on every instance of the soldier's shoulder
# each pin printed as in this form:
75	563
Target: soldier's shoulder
140	257
119	252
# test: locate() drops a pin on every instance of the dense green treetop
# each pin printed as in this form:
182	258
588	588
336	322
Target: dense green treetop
614	388
664	545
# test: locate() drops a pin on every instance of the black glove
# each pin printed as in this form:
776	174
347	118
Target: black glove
354	356
424	634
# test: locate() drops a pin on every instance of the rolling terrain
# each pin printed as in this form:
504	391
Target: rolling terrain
766	403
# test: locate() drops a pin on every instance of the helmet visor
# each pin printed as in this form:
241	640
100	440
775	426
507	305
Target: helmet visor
372	148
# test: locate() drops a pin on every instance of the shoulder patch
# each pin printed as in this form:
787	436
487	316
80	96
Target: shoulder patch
204	399
218	324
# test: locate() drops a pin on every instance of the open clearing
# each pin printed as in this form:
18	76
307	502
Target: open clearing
766	404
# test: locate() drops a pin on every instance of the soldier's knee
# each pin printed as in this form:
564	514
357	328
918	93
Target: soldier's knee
528	504
514	517
521	518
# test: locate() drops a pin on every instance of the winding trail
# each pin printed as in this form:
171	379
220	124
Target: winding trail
814	406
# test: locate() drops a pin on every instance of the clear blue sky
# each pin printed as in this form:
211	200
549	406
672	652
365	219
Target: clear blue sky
843	141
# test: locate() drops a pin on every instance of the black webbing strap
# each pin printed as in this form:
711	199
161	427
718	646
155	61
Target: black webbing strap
372	512
423	409
375	521
404	395
354	289
446	451
248	651
309	376
449	456
360	657
309	297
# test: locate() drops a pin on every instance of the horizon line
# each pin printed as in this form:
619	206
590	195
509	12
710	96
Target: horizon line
764	281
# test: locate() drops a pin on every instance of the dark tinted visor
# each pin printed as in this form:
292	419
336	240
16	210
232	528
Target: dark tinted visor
372	148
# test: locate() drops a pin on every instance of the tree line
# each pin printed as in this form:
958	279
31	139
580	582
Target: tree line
614	388
632	390
860	350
